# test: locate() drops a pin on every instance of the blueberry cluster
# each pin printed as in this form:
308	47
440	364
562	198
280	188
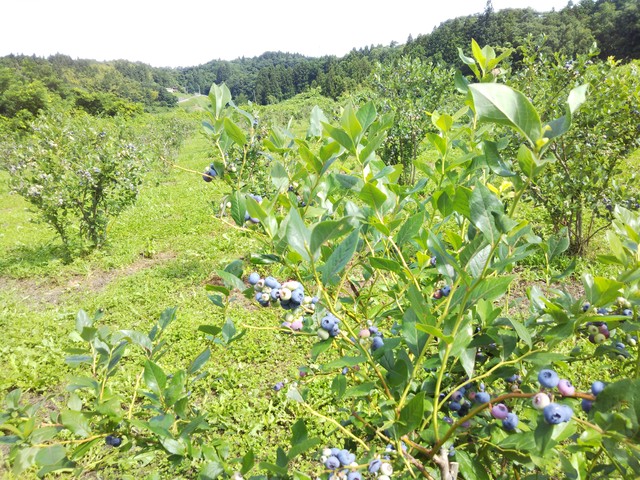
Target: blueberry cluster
328	326
289	295
377	339
598	331
343	465
209	173
442	292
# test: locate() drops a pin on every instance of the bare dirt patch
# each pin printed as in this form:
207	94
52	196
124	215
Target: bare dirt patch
53	291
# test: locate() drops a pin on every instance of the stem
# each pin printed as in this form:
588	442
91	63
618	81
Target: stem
135	395
337	425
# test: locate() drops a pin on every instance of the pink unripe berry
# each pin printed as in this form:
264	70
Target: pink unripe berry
565	388
296	325
364	333
540	400
499	411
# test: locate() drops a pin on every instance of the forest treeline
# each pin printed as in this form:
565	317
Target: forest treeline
28	83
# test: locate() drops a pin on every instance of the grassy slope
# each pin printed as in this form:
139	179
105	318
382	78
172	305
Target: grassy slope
40	296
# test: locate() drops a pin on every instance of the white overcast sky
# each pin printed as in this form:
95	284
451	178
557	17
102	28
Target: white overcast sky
192	32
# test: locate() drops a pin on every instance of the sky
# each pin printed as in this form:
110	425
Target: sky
192	32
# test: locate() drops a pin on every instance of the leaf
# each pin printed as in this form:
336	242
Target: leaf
385	264
490	288
230	280
320	347
339	385
372	196
339	258
134	337
600	290
210	329
361	390
410	229
494	161
82	321
298	235
340	136
470	467
577	96
411	415
248	460
328	230
482	204
238	207
167	316
199	361
557	244
500	104
176	388
317	119
154	377
543	437
76	422
522	332
235	132
302	447
279	177
211	471
175	447
50	455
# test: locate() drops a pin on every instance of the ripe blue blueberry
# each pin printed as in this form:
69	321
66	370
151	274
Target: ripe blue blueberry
327	323
278	386
511	422
345	370
555	413
297	295
335	331
254	278
271	282
374	465
455	406
332	462
482	397
457	395
433	261
345	457
354	475
597	387
586	405
376	343
113	441
586	306
548	378
446	290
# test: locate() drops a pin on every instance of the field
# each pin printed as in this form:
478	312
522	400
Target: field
449	291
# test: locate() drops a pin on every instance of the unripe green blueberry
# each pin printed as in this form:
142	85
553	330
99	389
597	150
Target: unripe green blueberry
540	400
323	334
285	294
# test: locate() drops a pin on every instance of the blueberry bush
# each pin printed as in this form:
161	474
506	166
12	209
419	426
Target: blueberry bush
435	376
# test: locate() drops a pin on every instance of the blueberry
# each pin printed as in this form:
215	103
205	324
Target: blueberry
513	378
335	451
432	261
354	475
297	295
510	422
376	343
335	331
597	387
254	278
315	300
345	457
271	282
482	397
328	322
345	370
446	290
332	463
565	388
374	465
457	396
113	441
627	312
454	406
586	306
373	330
500	411
437	294
278	386
540	400
602	311
554	413
586	405
548	378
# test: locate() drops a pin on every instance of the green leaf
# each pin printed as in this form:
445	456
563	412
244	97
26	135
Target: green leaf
210	329
411	415
176	388
522	332
167	316
490	288
50	455
410	229
248	461
543	436
494	161
339	258
599	290
340	136
385	264
577	97
366	115
134	337
317	119
230	280
328	230
500	104
175	447
298	235
211	471
320	347
199	361
482	203
361	390
351	124
557	244
470	467
372	196
339	385
154	377
235	132
82	321
238	207
279	177
302	447
76	422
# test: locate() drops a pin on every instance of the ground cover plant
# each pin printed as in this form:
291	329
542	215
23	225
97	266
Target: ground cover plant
384	309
